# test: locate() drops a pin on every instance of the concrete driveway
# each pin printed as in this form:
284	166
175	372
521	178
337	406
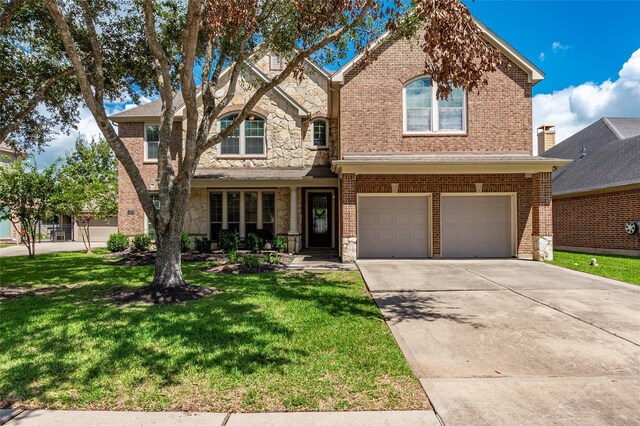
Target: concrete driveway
514	342
48	247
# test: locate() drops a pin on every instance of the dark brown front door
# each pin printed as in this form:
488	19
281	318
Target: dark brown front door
320	218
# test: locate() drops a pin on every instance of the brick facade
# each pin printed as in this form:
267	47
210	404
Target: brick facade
371	108
597	221
132	135
438	184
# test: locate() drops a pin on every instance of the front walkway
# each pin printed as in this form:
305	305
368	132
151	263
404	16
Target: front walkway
48	247
319	263
504	342
124	418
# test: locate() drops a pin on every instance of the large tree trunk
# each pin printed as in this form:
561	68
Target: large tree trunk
168	272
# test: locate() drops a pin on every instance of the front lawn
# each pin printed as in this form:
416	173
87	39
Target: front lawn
5	245
265	342
620	268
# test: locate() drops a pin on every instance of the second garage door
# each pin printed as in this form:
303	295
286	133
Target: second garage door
476	226
393	226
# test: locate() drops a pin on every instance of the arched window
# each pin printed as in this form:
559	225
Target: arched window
247	140
320	130
424	113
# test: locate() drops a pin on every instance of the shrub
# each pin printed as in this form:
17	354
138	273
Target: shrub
203	245
141	242
117	242
228	241
232	256
254	242
271	258
250	261
185	242
279	244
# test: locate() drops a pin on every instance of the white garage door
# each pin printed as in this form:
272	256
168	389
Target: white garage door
476	226
393	226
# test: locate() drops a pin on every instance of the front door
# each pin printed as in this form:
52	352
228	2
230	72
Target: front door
320	219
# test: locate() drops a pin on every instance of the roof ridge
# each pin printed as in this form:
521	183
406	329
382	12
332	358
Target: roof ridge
613	128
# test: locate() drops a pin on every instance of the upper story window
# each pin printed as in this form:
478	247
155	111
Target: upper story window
276	63
151	142
247	140
424	113
320	132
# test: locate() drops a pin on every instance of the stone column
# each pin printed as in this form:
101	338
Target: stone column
294	235
348	217
542	213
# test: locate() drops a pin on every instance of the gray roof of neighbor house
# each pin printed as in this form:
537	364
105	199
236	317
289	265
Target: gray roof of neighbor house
605	154
148	110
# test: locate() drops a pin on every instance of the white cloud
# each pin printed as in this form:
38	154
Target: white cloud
86	127
575	107
542	55
557	46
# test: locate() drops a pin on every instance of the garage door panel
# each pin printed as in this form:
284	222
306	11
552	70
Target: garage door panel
476	226
399	227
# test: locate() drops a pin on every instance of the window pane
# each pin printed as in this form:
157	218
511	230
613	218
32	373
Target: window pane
233	208
215	208
153	133
251	207
268	207
254	127
418	105
152	150
230	145
319	133
254	146
450	111
155	199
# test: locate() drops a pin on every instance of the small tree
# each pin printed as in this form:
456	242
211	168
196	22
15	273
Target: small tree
25	198
88	188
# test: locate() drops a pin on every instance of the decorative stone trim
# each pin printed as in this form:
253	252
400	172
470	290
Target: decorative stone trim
542	248
349	249
229	109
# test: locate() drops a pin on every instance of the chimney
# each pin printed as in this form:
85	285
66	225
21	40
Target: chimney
546	137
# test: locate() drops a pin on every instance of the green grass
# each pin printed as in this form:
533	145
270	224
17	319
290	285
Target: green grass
620	268
265	342
5	245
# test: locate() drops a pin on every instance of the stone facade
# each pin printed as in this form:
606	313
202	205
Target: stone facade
542	214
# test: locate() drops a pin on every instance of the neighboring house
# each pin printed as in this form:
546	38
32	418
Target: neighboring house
68	230
8	233
597	195
367	163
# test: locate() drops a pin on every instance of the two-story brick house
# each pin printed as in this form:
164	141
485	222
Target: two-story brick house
367	162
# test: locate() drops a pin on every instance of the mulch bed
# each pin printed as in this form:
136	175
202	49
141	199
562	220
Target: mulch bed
7	293
160	296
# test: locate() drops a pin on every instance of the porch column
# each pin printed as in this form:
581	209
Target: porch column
293	239
348	217
542	213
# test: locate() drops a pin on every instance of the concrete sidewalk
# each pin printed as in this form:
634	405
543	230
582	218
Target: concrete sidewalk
48	247
129	418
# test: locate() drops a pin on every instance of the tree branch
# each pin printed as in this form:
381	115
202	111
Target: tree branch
37	97
7	14
96	50
99	113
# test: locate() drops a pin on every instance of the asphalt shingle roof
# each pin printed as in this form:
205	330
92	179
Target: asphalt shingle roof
151	109
605	154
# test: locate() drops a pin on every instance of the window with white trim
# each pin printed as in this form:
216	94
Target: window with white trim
151	142
248	140
424	113
320	130
276	63
242	212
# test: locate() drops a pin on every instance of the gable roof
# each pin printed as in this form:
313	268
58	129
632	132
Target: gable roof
605	155
534	73
152	109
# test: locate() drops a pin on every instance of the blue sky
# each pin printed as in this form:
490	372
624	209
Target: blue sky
589	51
594	38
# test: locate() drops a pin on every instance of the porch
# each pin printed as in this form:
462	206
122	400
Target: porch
297	203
